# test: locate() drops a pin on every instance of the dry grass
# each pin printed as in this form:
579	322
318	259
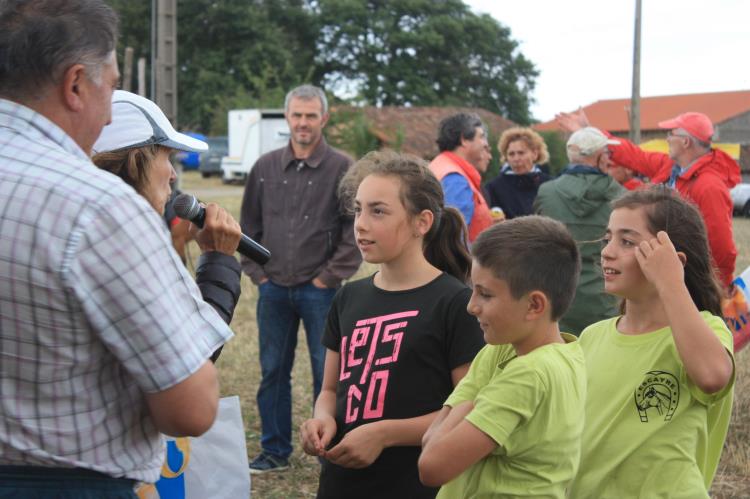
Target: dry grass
239	369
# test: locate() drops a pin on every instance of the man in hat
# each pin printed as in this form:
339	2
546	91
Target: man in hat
580	198
699	173
105	337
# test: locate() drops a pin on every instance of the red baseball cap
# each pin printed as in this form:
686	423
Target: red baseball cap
696	124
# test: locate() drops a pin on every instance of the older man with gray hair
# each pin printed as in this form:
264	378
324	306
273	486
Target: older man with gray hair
291	206
580	198
105	338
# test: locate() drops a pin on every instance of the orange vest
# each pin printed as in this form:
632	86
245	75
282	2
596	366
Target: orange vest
441	166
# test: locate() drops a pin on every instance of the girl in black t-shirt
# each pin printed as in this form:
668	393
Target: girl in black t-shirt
398	341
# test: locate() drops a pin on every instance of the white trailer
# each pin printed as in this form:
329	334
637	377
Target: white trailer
252	133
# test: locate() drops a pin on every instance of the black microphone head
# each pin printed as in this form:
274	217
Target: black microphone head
186	206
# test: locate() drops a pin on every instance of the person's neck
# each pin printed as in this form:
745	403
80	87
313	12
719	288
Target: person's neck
408	271
460	153
643	315
302	151
686	159
543	333
56	113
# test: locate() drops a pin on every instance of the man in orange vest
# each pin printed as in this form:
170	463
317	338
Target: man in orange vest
462	142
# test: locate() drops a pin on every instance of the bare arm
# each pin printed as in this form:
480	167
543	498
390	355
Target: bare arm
189	407
706	361
455	446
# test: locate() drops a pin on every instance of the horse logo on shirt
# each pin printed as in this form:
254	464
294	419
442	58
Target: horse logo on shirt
659	393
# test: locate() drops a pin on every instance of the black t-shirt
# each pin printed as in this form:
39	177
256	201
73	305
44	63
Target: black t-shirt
397	350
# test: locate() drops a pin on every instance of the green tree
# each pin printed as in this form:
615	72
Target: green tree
231	53
558	154
237	51
248	53
421	52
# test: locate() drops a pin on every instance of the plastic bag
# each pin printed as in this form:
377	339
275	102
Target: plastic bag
736	312
213	465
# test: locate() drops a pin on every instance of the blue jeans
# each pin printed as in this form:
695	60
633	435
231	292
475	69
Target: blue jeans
280	309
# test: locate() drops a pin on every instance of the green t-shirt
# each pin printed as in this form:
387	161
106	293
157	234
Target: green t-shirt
650	432
532	407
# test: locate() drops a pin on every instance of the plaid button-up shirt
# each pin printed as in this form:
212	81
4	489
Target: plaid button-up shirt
95	309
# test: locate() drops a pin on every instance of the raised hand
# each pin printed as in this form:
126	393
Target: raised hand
220	232
572	122
660	262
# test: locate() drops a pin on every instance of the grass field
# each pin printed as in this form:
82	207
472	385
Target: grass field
240	375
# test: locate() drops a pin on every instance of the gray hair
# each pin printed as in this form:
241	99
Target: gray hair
576	156
307	92
703	145
41	39
453	129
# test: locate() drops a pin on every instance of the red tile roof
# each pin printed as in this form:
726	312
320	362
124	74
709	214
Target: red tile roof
417	126
612	115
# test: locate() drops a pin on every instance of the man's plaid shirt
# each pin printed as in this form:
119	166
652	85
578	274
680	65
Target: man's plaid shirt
95	309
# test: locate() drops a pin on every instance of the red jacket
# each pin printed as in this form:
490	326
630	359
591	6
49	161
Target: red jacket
706	183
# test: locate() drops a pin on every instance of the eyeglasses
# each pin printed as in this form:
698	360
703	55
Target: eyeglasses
681	135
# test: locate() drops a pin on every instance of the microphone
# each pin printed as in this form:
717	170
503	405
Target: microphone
187	206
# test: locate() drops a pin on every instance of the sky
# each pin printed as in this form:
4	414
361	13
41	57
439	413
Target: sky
583	49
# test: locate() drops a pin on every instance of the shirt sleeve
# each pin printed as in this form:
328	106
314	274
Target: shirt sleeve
332	333
137	295
458	194
479	375
507	402
719	327
648	163
346	258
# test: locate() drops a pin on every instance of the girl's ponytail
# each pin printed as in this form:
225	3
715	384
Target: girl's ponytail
445	246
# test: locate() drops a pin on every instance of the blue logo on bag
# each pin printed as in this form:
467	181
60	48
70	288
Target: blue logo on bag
171	485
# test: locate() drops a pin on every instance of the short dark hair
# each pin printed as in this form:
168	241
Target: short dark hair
532	253
40	39
454	128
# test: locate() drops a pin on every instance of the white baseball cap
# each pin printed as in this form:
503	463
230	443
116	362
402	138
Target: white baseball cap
138	122
589	140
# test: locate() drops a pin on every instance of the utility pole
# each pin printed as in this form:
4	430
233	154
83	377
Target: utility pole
127	69
635	98
164	57
164	63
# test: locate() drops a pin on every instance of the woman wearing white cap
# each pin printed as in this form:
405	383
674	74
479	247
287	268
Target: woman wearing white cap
136	147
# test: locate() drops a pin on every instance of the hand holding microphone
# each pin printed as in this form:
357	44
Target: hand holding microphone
221	232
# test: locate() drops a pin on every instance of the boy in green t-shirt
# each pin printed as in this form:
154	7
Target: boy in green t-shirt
512	426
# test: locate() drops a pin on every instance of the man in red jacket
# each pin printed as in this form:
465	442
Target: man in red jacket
699	173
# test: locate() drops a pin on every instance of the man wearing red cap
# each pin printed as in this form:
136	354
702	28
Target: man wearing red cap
699	173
